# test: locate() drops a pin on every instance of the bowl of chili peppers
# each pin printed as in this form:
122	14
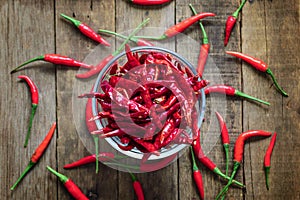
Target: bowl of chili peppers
148	103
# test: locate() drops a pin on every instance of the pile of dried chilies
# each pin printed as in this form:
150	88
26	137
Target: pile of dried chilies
150	101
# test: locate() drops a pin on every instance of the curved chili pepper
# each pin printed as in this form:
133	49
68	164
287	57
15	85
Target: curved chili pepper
86	30
204	50
104	156
137	187
225	138
180	27
149	2
72	188
231	20
38	153
267	159
207	162
34	103
197	176
228	90
239	152
95	70
139	42
259	65
55	59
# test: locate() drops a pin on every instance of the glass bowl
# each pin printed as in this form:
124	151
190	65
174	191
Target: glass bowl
121	59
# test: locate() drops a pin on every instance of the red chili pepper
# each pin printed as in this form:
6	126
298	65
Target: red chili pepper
180	27
37	154
137	188
231	20
239	152
225	138
197	176
139	42
72	188
55	59
267	159
207	162
104	156
34	103
86	30
228	90
259	65
95	70
149	2
204	50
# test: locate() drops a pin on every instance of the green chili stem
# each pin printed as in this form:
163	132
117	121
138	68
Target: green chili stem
123	165
133	177
276	83
241	94
61	177
226	149
236	13
162	37
267	171
219	173
33	110
27	62
225	189
27	169
74	21
118	35
205	38
96	141
195	167
130	36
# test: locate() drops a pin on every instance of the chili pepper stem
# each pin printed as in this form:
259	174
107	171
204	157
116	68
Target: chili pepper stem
33	110
74	21
195	168
61	177
276	83
205	38
162	37
27	62
226	149
236	13
219	173
118	35
133	177
267	171
225	189
27	169
241	94
96	141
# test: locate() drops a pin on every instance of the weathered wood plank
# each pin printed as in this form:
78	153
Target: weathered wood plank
24	35
219	70
70	42
265	34
160	184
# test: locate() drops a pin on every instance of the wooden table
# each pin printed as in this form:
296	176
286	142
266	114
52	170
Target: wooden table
266	29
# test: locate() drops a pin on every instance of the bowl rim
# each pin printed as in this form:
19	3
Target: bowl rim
135	155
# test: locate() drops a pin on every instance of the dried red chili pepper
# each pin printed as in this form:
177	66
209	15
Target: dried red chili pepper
139	42
197	176
207	162
72	188
204	50
231	20
225	138
37	154
137	187
228	90
104	156
149	2
267	159
259	65
239	152
34	103
180	27
86	30
95	70
55	59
